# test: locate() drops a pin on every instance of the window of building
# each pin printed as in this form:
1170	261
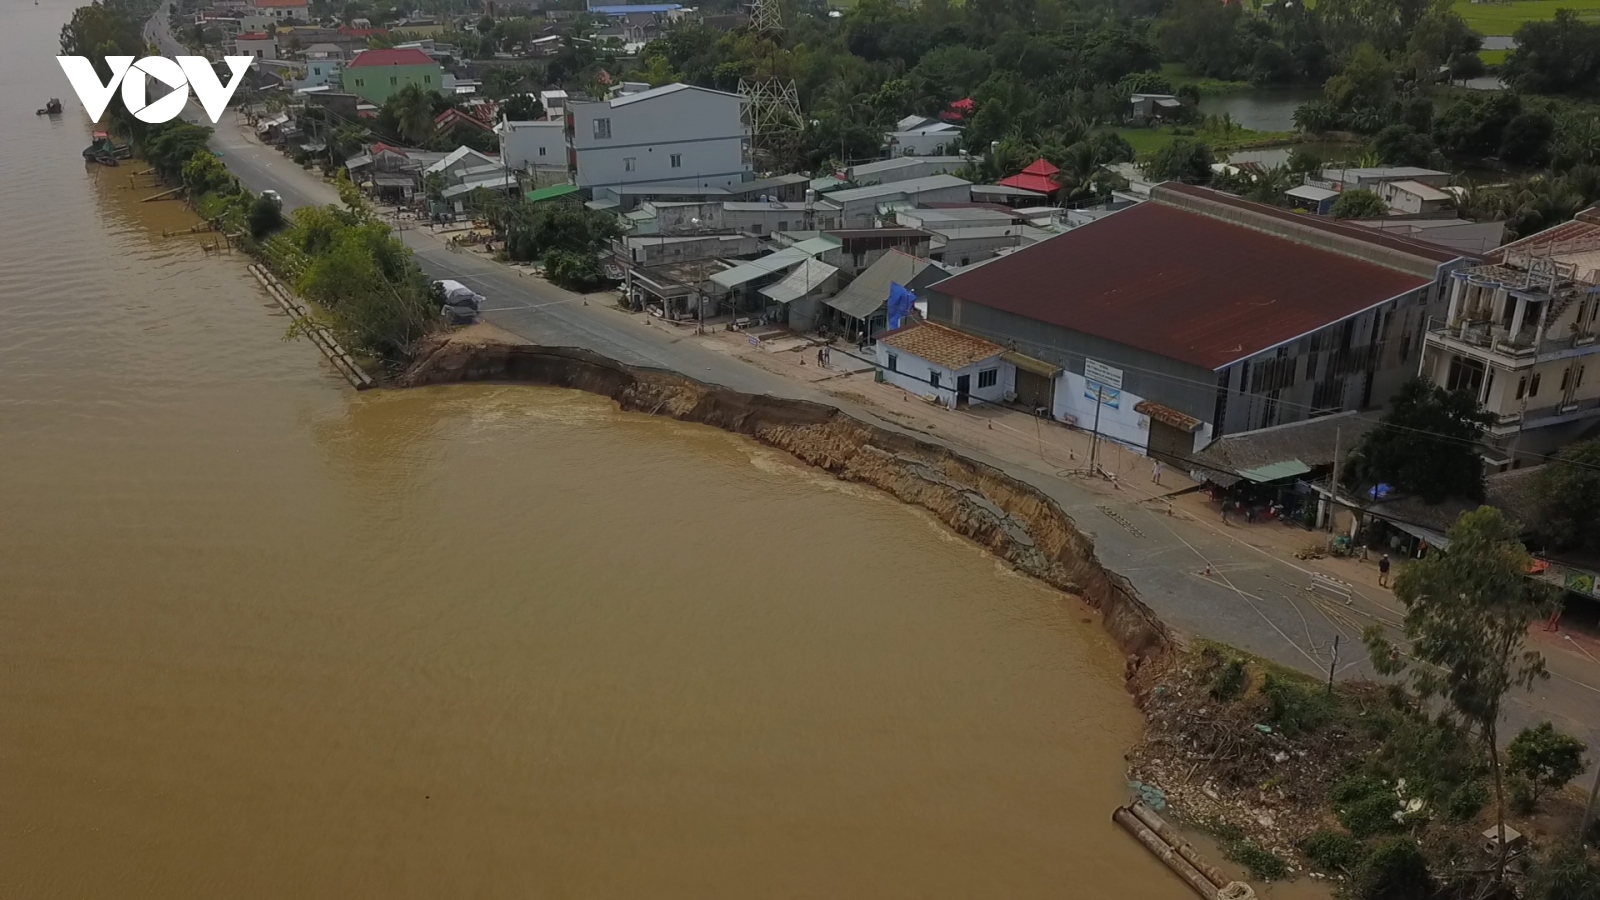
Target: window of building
677	160
602	129
1566	376
627	163
1533	386
933	377
427	79
894	362
1522	387
1578	381
988	377
360	83
1467	375
394	80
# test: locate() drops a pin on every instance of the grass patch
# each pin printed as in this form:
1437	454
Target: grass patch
1148	140
1503	18
1493	57
1179	75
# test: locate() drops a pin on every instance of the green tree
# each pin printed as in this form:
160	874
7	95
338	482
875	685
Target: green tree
265	217
1394	870
1567	496
412	110
1359	204
1426	444
1544	759
1182	160
1402	145
1568	872
1555	57
1467	615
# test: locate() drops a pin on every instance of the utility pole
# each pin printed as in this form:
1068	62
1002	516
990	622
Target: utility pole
1094	434
1333	664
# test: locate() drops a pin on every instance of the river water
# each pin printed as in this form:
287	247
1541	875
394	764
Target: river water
261	636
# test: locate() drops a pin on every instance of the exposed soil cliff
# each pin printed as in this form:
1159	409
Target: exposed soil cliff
1006	516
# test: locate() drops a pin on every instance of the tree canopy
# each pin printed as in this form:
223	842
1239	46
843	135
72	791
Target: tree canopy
1426	444
1359	204
1567	494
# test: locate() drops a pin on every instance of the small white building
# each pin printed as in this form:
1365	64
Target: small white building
1414	197
675	135
922	136
323	63
885	171
950	366
283	9
554	101
533	145
257	44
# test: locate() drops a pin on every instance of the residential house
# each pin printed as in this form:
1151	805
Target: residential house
1196	314
903	169
554	104
1312	198
781	188
860	310
257	44
377	75
945	365
677	135
856	249
923	136
534	146
1369	179
393	173
323	63
766	218
1519	334
297	10
1415	197
671	272
474	117
1038	177
1146	108
865	207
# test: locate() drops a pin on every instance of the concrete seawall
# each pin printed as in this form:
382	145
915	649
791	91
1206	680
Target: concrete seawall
1009	518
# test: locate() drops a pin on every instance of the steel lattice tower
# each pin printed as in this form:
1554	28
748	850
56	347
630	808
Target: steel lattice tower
772	104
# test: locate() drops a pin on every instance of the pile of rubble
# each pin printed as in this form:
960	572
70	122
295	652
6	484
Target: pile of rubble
1223	766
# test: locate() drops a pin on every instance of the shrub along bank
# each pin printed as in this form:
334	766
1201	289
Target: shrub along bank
367	287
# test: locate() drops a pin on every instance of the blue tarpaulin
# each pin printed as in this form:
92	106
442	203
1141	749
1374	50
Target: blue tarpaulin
900	304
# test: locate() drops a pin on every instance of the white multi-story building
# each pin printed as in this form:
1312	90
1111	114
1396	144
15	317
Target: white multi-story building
1520	334
533	145
677	135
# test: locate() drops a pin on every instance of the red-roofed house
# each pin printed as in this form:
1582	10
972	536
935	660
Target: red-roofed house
376	75
1201	309
1039	177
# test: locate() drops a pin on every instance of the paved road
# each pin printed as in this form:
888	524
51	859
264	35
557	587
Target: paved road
1251	600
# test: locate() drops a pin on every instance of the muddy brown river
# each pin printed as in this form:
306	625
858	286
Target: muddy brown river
261	636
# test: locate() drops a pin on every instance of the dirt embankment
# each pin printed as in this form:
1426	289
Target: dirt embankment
1009	518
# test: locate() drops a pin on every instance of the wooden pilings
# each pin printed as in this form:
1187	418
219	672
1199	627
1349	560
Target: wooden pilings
336	354
1178	854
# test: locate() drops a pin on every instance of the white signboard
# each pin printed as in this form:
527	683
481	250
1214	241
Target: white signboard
1107	376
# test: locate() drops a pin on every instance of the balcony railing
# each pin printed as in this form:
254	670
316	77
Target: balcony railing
1496	339
1533	417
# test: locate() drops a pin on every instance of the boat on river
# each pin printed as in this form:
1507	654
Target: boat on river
105	151
53	108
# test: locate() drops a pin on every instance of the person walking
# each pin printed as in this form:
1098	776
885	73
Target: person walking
819	356
1383	570
1155	472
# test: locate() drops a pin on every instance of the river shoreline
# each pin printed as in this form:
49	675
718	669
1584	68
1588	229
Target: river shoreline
1013	520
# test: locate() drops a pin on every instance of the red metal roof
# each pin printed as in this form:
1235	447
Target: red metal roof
1180	284
1038	176
408	56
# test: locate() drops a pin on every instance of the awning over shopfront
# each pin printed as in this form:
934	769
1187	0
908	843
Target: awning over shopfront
807	277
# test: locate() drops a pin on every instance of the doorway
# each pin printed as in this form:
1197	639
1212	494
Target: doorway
963	389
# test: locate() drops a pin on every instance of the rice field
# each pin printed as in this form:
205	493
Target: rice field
1504	17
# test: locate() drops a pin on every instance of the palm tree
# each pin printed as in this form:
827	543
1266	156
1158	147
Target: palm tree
413	114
